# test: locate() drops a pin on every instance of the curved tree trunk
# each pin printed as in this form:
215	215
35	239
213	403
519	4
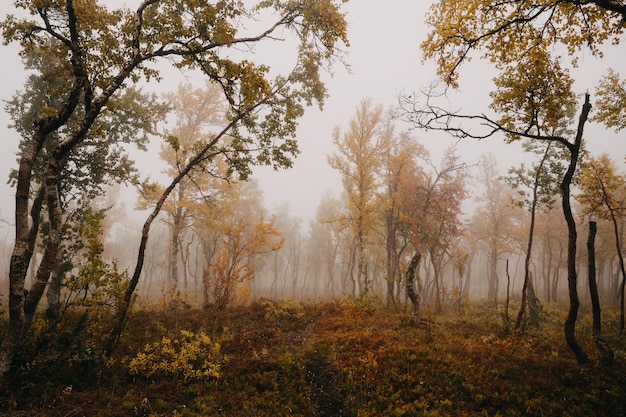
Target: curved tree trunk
569	326
202	155
410	285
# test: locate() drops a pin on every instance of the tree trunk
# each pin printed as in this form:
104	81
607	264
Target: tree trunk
606	353
508	295
533	302
410	285
391	261
620	258
53	294
493	277
529	246
53	242
569	326
22	249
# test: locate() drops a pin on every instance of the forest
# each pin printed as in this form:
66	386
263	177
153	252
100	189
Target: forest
426	285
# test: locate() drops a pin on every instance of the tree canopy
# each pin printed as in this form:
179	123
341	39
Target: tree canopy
100	53
505	32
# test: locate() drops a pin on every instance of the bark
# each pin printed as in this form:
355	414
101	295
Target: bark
606	353
508	295
392	260
53	295
468	275
53	242
23	247
410	285
176	238
620	258
435	260
529	246
361	269
533	302
493	277
569	326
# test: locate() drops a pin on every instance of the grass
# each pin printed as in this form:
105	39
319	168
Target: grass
283	358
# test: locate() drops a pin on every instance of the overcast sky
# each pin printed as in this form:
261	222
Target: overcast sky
385	59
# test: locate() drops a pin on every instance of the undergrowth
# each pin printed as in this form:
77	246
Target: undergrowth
345	358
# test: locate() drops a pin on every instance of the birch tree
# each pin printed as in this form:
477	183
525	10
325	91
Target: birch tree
357	159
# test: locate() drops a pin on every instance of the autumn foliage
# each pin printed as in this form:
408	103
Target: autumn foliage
346	358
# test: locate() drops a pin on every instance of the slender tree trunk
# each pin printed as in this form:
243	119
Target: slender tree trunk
555	283
533	302
620	258
574	303
435	260
468	275
410	285
493	277
606	353
361	269
391	261
120	319
350	273
175	240
529	246
508	295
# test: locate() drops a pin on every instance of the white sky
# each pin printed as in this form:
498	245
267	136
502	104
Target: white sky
385	59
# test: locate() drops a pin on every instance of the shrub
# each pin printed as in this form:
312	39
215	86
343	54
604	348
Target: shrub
284	308
191	356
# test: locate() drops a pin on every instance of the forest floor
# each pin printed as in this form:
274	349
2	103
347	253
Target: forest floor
344	358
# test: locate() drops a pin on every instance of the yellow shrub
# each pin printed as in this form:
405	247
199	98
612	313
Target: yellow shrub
190	356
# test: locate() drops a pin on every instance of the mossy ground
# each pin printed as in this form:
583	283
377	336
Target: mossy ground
347	358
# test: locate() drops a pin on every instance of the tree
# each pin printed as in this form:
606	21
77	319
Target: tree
235	236
530	90
286	261
357	161
533	179
492	222
242	240
606	353
539	115
399	154
602	194
611	101
328	232
102	53
552	238
196	112
505	32
52	179
431	201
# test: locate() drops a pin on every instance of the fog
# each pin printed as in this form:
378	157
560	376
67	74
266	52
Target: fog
383	62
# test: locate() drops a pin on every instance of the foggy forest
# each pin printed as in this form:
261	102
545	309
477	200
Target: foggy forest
143	270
